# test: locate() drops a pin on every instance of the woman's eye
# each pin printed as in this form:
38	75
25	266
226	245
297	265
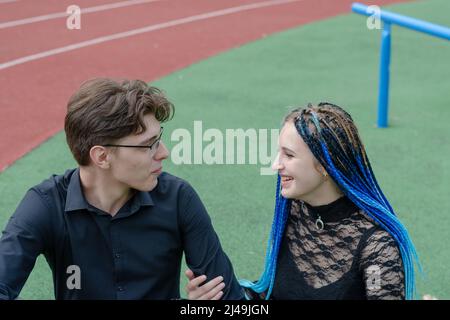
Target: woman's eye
289	155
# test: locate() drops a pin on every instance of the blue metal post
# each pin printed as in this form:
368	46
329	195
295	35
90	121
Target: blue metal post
383	90
406	22
389	18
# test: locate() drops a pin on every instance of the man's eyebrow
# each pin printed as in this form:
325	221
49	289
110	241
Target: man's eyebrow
149	140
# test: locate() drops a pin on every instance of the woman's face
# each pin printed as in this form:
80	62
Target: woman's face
302	176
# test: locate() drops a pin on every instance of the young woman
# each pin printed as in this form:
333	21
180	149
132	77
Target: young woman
334	234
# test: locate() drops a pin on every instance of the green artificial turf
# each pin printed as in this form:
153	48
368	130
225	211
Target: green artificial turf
253	86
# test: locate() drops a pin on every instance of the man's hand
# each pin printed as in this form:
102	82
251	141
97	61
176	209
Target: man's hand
212	290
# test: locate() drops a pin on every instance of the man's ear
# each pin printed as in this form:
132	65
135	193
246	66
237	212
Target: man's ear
100	156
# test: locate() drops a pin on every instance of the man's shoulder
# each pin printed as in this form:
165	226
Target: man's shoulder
55	184
169	182
40	205
55	181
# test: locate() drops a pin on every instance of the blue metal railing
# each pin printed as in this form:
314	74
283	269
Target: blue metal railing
389	18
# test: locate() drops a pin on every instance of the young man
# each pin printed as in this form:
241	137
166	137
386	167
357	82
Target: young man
116	227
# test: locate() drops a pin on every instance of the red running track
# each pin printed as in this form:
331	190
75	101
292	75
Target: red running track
34	93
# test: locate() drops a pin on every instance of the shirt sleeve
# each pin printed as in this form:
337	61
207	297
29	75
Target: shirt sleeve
20	244
204	254
382	268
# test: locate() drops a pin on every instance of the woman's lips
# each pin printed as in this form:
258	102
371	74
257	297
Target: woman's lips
286	181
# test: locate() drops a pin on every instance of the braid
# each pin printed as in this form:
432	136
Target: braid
267	279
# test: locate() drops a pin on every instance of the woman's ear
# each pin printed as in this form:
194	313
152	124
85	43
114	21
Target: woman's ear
321	170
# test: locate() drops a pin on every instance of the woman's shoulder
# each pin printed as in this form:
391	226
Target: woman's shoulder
374	236
379	244
367	222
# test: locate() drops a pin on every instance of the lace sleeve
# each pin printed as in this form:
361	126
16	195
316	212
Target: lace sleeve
382	267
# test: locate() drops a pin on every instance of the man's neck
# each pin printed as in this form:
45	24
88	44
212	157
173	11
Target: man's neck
101	192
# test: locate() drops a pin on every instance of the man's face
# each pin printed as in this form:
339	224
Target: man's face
139	168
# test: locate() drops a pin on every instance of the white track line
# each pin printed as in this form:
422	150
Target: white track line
58	15
134	32
6	1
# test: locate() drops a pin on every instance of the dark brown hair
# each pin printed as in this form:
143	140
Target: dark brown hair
104	110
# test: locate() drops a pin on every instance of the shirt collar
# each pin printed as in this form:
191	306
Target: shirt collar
141	199
75	199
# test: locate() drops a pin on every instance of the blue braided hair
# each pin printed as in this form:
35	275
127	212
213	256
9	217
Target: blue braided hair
333	139
267	279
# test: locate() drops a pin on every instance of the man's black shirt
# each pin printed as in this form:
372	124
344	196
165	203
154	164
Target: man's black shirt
134	255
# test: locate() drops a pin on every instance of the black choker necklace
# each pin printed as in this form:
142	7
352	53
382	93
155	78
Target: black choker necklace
332	212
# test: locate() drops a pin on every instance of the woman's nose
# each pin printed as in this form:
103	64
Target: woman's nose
277	165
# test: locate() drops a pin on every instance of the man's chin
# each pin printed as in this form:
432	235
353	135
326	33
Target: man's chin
153	185
148	185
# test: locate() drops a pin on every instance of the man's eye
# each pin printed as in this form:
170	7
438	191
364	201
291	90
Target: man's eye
289	155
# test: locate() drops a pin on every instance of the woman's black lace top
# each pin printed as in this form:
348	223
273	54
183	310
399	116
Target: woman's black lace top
350	258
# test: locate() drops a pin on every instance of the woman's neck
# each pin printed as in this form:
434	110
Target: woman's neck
326	193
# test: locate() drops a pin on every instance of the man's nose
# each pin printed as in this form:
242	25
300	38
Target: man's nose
162	152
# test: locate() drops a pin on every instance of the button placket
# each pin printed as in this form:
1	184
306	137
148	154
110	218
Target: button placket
117	257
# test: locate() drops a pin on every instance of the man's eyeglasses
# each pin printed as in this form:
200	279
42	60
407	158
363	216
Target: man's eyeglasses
153	146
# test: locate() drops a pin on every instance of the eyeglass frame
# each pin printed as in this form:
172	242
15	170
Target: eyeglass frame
150	147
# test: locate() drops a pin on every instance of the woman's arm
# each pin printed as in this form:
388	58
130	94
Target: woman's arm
382	268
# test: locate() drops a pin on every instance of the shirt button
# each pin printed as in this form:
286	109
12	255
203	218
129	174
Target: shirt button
117	255
120	289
